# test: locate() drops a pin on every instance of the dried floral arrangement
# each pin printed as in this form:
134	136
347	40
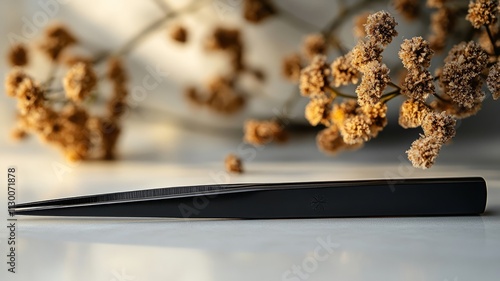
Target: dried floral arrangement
62	115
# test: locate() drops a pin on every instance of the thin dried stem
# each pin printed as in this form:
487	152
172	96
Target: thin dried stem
492	40
339	94
440	98
389	96
393	85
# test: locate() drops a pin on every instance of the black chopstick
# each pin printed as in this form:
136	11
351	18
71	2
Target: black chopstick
365	198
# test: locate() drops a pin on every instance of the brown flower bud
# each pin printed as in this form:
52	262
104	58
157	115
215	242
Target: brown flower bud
18	55
79	82
424	151
255	11
233	164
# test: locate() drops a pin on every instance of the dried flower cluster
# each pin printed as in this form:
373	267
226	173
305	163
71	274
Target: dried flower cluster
313	45
366	57
315	77
79	82
438	129
255	11
351	122
356	120
410	9
233	164
56	39
220	96
460	77
60	114
416	54
18	55
179	33
66	129
263	132
229	41
291	67
221	93
61	117
482	12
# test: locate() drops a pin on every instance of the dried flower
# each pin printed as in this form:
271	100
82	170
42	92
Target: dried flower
318	110
440	126
364	53
329	140
374	81
178	33
314	44
12	81
222	96
291	67
29	95
482	12
424	151
377	115
255	11
116	71
380	27
460	76
418	85
233	164
57	38
343	71
229	40
415	53
18	134
436	3
412	113
493	81
314	77
341	111
194	96
18	55
410	9
75	114
262	132
359	24
356	129
79	82
224	39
